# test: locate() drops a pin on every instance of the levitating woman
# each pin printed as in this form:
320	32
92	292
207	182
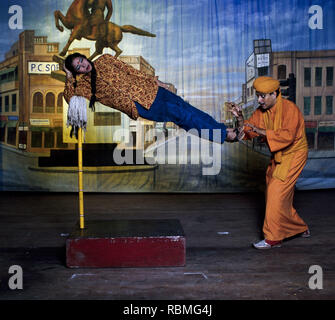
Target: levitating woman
122	87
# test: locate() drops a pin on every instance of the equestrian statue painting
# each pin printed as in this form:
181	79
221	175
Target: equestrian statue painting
86	19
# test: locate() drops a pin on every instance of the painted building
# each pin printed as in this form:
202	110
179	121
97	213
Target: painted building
31	104
314	92
33	110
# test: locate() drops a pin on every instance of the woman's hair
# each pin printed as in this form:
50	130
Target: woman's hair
68	64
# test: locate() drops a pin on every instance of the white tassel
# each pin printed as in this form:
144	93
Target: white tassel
76	114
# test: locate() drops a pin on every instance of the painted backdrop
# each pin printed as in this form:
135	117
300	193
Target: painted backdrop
208	51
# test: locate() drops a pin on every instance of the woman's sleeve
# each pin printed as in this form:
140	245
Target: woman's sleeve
83	89
135	72
109	59
69	89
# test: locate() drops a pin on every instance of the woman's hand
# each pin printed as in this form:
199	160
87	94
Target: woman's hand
162	84
67	72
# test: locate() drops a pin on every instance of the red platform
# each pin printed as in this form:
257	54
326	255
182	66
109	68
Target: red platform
127	243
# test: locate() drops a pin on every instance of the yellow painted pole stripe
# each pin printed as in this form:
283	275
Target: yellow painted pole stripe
80	179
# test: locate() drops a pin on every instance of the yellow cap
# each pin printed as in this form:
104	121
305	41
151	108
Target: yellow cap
266	84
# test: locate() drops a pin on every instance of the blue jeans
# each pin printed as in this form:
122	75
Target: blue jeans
169	107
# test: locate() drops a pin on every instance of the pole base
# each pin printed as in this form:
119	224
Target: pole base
127	243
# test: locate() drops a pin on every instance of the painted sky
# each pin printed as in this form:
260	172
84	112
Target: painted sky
200	46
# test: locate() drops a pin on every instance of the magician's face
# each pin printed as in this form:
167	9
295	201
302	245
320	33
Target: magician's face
266	100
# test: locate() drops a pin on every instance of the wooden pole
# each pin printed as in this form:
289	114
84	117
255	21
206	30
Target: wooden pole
80	178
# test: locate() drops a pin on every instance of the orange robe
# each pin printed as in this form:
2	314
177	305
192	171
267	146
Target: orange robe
288	141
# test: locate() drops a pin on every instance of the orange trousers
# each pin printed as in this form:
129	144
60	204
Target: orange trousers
281	219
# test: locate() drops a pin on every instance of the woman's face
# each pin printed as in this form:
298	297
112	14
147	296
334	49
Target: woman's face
81	65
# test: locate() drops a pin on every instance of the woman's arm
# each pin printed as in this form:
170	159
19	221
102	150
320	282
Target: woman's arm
107	59
69	85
